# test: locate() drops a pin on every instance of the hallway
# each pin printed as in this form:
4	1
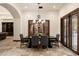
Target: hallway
10	48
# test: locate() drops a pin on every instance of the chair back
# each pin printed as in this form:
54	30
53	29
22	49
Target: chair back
35	41
44	41
57	36
21	37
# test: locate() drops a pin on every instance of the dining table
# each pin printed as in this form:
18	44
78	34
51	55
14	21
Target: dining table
50	40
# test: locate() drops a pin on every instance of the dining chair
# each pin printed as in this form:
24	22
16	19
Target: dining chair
56	41
35	41
44	41
23	41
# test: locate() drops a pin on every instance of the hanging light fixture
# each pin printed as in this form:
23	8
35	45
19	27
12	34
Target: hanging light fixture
43	21
34	21
38	16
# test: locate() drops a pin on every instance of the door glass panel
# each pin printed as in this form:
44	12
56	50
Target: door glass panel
65	31
74	32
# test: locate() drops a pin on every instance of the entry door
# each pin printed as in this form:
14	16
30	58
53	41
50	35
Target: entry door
7	27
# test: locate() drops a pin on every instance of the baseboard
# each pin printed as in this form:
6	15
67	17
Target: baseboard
16	40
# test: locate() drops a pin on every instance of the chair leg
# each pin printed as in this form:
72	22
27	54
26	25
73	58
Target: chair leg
44	47
57	44
20	45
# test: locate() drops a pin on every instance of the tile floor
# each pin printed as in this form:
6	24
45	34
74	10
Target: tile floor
10	48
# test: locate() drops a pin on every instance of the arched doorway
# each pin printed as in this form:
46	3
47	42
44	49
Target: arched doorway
17	18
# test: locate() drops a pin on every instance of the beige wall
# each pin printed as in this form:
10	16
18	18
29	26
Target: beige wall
68	8
12	15
5	16
52	16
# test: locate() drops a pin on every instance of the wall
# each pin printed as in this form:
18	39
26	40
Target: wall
5	16
52	16
4	20
15	15
68	8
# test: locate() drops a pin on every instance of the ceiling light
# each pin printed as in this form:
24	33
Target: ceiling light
54	6
39	16
43	21
34	21
25	6
39	20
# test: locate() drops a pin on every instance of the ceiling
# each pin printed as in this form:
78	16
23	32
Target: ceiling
24	7
3	10
4	13
34	6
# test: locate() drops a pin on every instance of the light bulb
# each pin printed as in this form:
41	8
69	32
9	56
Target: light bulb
43	21
34	21
39	20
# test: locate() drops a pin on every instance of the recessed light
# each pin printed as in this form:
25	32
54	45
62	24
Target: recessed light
54	6
25	7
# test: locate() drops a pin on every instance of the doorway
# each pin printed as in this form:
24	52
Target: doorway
8	28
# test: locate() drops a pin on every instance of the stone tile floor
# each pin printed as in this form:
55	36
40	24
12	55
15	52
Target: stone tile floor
10	48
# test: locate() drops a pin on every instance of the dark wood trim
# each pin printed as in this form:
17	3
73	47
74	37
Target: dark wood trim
62	30
16	40
49	27
78	33
9	28
70	32
67	31
28	28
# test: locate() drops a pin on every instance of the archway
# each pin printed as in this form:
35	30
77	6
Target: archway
17	18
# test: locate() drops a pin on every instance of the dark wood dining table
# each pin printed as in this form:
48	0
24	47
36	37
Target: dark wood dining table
50	38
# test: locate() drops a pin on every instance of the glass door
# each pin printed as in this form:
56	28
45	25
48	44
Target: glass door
74	32
65	33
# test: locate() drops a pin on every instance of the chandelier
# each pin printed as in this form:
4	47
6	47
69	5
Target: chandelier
38	19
